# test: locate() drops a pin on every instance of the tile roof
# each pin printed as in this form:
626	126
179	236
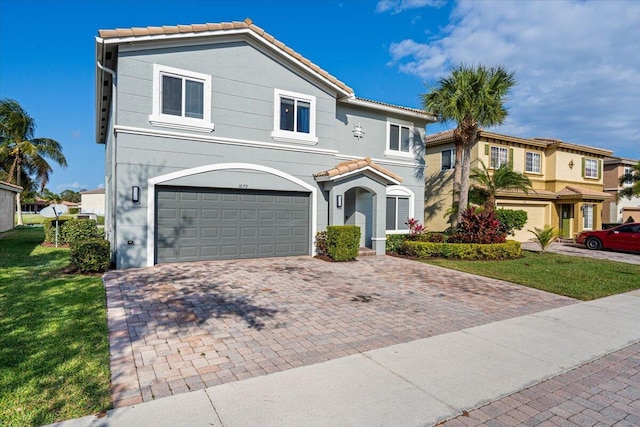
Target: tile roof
206	29
96	191
354	166
571	191
413	110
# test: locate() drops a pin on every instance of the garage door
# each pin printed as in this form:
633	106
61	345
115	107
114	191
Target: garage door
194	224
536	217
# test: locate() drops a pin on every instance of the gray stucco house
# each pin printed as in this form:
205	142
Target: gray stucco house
222	142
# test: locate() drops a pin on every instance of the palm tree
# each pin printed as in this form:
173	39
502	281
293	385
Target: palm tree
23	154
503	178
473	97
632	177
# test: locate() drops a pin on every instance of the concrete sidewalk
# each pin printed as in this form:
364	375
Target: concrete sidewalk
417	383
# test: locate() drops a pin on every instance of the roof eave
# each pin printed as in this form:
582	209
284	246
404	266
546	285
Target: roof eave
390	109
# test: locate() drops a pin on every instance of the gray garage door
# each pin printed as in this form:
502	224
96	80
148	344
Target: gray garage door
195	224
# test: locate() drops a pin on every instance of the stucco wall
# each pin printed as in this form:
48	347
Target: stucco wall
7	209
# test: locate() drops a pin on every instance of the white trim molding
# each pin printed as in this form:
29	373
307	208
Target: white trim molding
151	197
401	191
293	136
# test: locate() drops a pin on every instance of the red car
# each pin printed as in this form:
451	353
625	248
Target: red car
625	237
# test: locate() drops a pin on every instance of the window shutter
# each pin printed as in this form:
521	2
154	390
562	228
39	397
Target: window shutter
599	167
584	166
486	149
511	157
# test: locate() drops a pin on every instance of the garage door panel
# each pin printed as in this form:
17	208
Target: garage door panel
227	224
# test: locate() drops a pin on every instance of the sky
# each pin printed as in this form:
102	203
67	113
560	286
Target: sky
576	63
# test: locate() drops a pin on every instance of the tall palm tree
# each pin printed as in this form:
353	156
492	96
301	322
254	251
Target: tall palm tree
503	178
24	154
473	97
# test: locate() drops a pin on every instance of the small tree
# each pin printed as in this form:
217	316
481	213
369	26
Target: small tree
544	236
511	219
632	178
490	183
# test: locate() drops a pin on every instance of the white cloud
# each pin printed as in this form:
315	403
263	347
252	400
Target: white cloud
577	65
101	185
75	186
397	6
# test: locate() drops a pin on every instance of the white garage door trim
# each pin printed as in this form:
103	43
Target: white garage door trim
151	197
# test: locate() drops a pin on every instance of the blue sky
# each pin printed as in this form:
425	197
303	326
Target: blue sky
577	64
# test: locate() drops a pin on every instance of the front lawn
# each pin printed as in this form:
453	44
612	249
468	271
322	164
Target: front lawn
54	351
576	277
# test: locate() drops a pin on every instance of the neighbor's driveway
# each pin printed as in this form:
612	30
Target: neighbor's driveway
179	327
574	249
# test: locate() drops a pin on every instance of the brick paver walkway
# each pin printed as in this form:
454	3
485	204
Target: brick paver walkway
180	327
605	392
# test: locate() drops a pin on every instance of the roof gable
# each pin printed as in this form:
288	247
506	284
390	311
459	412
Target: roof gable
352	167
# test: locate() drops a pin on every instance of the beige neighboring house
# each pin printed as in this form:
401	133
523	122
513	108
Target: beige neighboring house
92	202
619	209
8	205
567	180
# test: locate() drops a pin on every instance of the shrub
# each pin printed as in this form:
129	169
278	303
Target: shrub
343	242
321	243
511	220
478	227
100	220
92	255
73	211
436	238
468	251
394	242
415	228
50	229
79	229
544	236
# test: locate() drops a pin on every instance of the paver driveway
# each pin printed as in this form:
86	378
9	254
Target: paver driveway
179	327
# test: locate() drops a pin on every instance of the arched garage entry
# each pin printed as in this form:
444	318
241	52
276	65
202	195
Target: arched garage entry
231	210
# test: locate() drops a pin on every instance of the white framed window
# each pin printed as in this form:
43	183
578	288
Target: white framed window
399	208
399	139
533	162
294	117
628	170
498	157
587	217
448	159
181	99
591	168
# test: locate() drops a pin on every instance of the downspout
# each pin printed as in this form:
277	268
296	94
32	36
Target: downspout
114	92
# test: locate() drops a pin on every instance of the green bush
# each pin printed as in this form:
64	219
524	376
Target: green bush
70	230
90	256
394	242
511	219
343	242
469	251
100	220
73	211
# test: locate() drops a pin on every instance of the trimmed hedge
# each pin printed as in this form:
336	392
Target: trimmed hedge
70	230
394	242
91	256
321	243
509	249
343	242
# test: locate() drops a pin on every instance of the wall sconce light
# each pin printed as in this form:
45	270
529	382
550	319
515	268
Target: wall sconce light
135	194
339	200
357	131
571	164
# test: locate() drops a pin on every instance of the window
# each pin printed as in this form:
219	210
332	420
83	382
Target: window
628	170
400	140
181	99
587	217
532	162
294	117
448	159
397	213
591	168
499	157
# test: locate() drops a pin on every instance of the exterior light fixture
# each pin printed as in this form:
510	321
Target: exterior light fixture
571	164
135	194
357	131
339	200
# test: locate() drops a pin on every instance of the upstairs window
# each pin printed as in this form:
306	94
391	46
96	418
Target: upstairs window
400	138
628	170
590	168
294	116
181	99
499	156
532	162
448	159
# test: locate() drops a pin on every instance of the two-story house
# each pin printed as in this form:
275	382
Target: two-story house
222	142
567	180
619	209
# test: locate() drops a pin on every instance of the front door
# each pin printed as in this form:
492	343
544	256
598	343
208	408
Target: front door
566	217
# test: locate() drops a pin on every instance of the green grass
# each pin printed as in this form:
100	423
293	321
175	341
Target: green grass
576	277
31	219
54	352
